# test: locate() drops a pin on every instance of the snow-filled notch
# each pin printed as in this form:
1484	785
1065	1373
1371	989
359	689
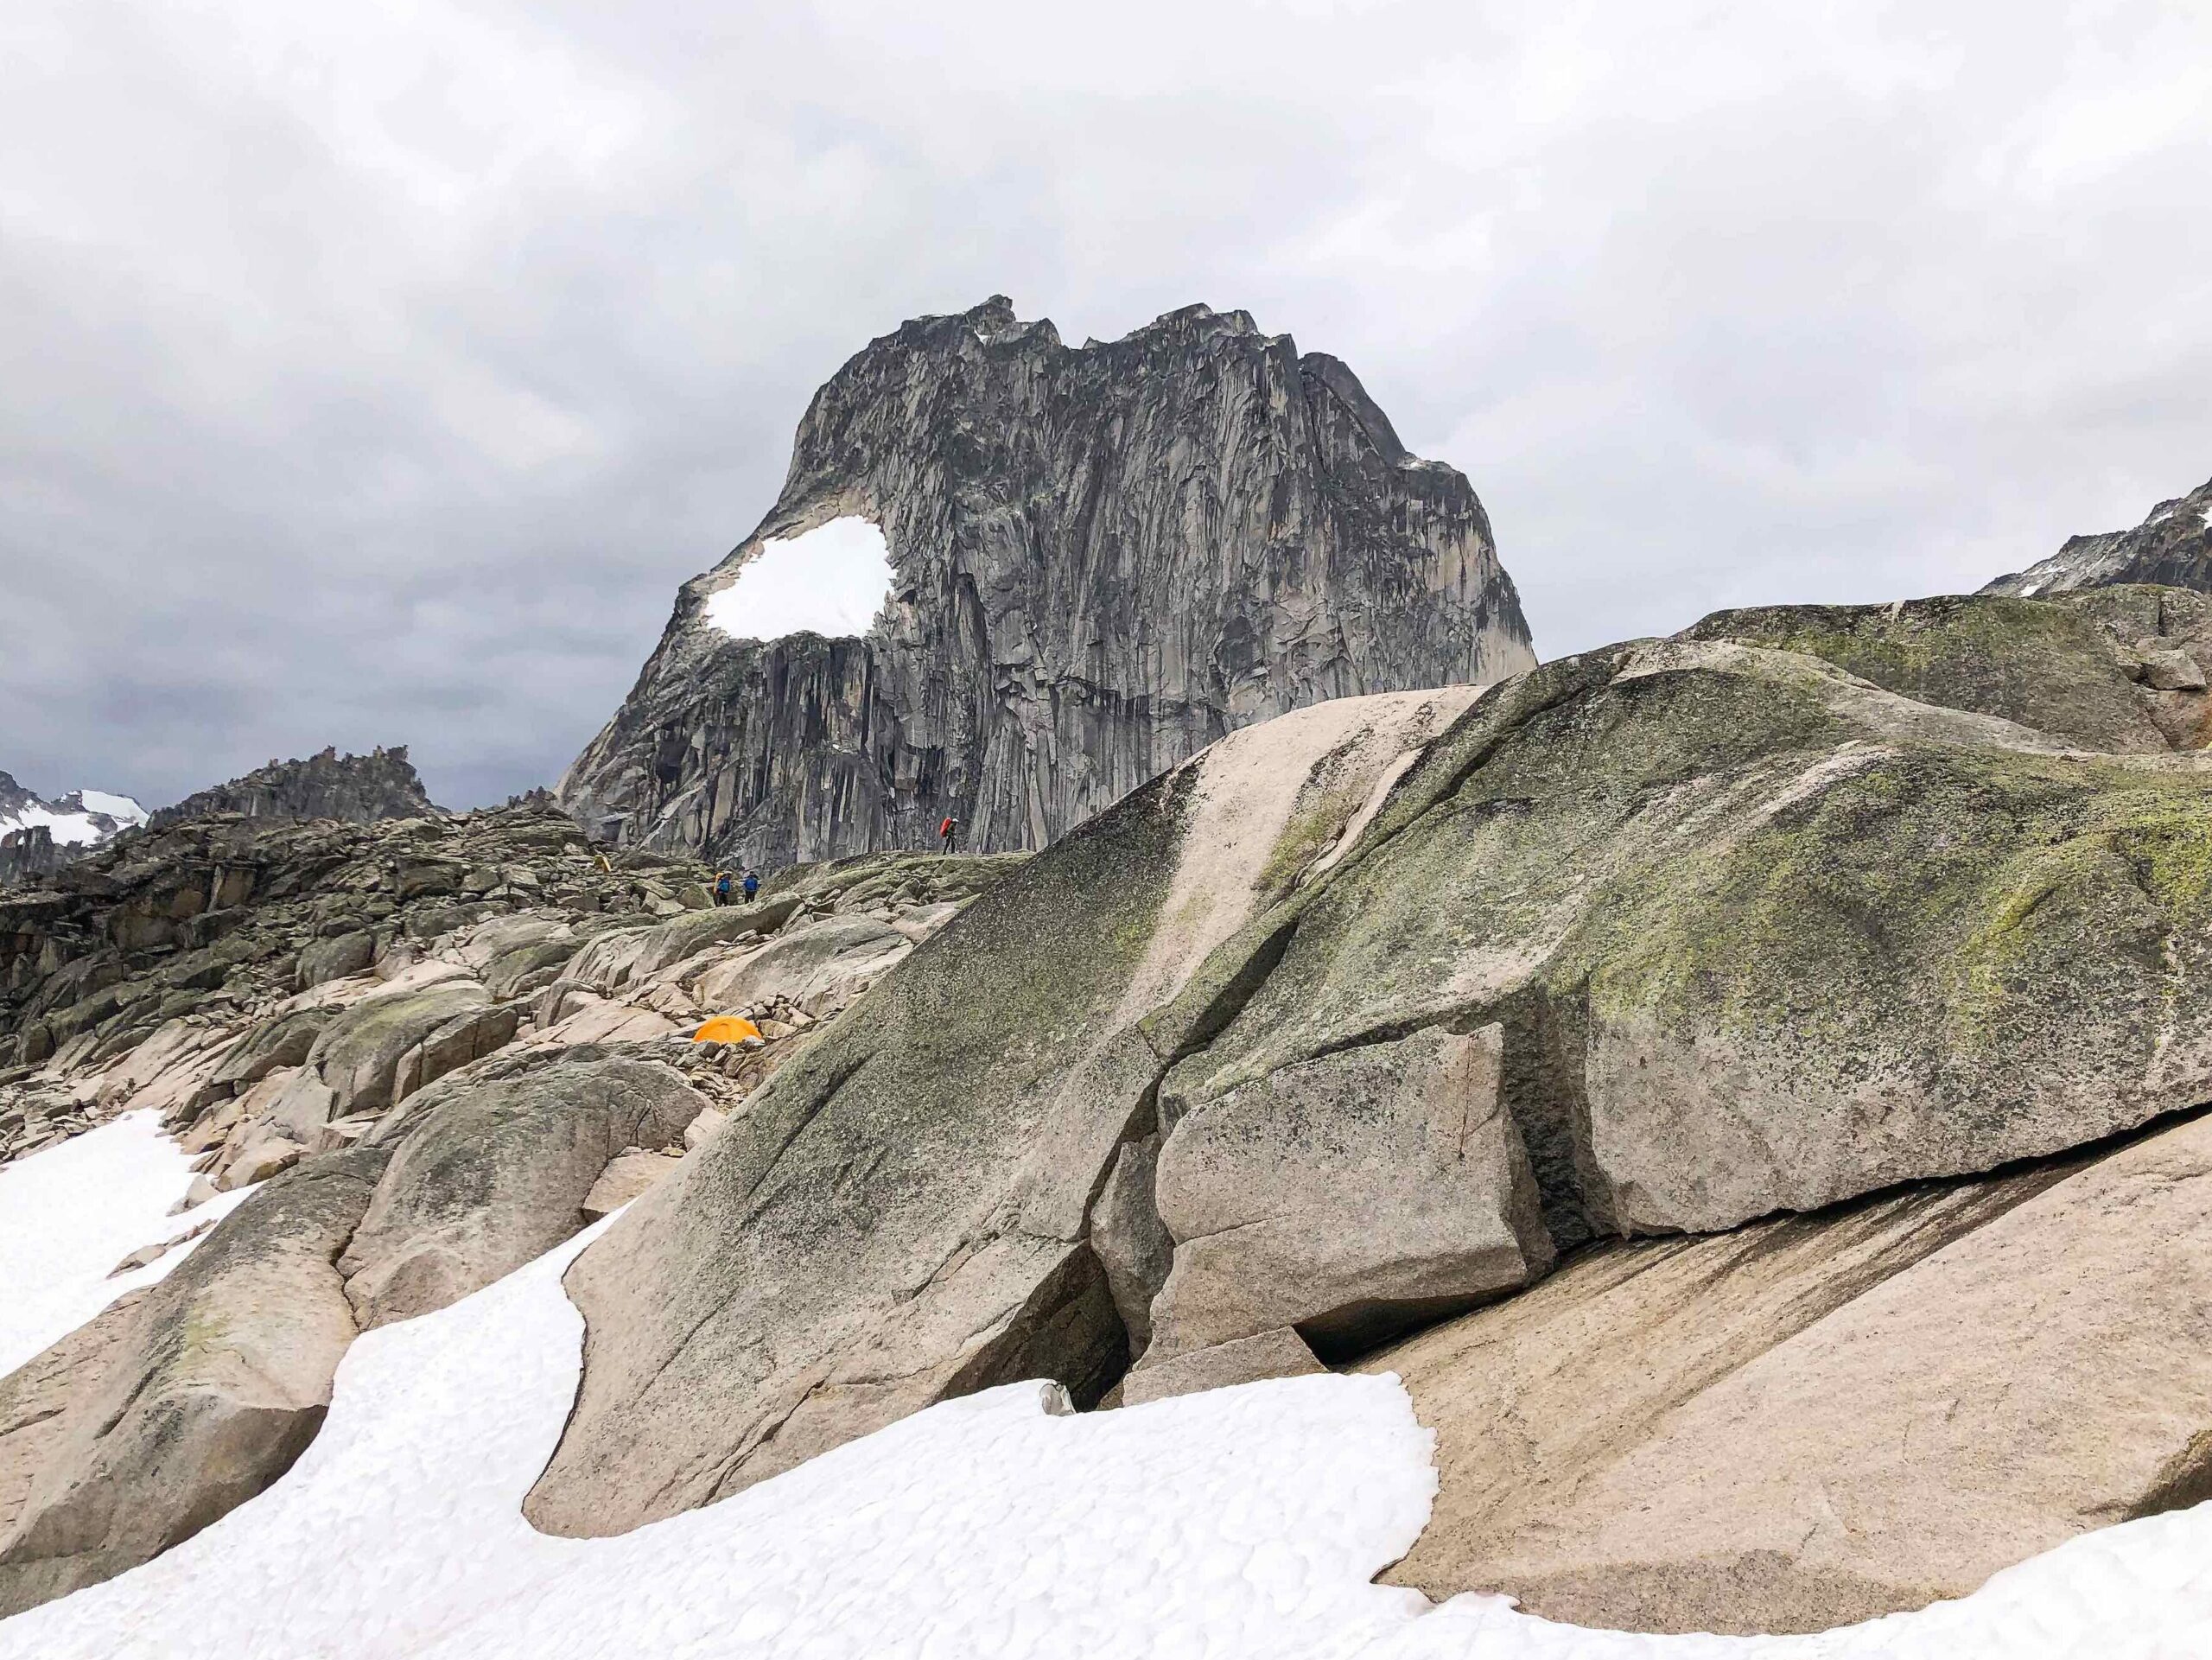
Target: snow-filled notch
830	580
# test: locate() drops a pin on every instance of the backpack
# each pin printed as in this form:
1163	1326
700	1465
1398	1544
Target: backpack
946	828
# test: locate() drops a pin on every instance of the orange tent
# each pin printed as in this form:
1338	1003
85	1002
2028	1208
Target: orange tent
725	1028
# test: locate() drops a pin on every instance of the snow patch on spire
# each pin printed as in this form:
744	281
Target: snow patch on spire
831	580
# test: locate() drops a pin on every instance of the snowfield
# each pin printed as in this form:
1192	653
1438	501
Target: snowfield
70	1213
76	829
830	580
1242	1523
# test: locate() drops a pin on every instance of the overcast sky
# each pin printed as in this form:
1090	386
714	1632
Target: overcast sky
374	372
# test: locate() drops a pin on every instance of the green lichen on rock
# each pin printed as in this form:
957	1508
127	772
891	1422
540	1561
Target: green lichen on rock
2048	666
1311	832
855	1244
1804	937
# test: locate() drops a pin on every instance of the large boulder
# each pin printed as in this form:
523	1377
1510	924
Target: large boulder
493	1170
336	957
1761	935
358	1054
281	1039
1821	1419
34	1399
819	966
219	1383
1350	1196
902	1212
619	957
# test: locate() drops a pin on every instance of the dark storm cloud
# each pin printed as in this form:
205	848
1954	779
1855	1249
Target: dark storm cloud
373	374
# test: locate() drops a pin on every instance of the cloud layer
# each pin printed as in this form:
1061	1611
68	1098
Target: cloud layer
374	373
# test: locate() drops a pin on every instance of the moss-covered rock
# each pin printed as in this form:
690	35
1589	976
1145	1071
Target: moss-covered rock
2051	667
1763	935
902	1211
492	1169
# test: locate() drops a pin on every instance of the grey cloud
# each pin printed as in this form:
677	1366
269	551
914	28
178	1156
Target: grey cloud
369	381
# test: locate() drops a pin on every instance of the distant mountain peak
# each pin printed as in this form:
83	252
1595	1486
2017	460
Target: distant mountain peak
1038	576
38	836
2172	545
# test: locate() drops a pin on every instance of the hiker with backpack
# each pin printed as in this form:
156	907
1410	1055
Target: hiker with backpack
949	831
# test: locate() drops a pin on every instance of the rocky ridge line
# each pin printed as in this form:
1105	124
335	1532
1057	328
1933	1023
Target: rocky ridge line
2172	546
351	789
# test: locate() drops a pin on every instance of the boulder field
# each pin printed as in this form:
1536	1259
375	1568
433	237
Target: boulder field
1748	1085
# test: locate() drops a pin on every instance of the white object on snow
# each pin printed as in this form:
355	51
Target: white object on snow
830	580
1241	1522
70	1213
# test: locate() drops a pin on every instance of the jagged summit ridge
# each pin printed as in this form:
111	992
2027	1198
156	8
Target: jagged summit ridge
1102	558
2172	546
357	789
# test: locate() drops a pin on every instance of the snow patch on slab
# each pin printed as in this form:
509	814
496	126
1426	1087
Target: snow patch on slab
1241	1522
831	580
70	1213
1245	1522
121	808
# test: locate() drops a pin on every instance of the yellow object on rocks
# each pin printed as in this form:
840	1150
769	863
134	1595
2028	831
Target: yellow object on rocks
726	1028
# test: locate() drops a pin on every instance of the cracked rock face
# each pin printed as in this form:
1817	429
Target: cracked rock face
2172	547
1104	558
1821	1419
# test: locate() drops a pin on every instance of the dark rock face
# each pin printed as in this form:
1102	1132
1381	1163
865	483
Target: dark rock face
2173	546
359	789
28	854
1103	559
